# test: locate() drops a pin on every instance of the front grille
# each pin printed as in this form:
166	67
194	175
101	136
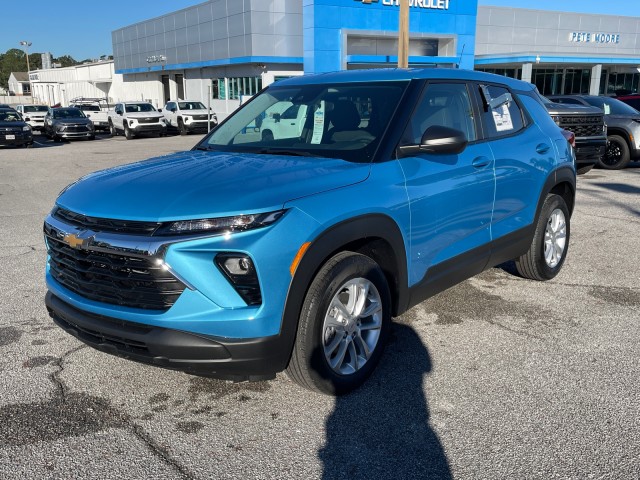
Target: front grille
10	131
149	120
200	117
76	128
149	128
96	224
583	125
113	279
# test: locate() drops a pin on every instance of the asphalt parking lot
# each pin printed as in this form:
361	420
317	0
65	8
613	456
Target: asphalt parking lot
498	377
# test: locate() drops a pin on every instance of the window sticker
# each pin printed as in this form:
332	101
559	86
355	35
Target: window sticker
318	124
502	118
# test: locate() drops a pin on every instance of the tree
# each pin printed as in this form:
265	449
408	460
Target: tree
15	60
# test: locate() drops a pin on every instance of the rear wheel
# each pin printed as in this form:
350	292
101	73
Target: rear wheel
617	154
343	326
550	242
112	129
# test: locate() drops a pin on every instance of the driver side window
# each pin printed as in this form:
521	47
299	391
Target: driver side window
442	104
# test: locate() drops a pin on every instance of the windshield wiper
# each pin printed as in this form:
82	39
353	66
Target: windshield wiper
278	151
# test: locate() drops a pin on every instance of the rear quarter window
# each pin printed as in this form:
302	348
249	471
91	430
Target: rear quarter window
503	120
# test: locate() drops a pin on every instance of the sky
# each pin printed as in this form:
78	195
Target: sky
82	28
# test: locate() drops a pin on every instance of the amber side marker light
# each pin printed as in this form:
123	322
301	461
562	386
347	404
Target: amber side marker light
296	261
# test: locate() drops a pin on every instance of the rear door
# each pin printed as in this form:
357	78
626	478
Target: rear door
523	157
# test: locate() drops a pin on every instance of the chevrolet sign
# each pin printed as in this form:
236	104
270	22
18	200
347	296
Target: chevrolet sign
432	4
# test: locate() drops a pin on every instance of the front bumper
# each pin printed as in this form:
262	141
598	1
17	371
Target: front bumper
200	126
22	138
70	135
589	152
153	128
238	360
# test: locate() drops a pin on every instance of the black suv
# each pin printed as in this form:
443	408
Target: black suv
587	124
623	128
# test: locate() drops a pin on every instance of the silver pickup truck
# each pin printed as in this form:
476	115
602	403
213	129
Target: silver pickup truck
135	118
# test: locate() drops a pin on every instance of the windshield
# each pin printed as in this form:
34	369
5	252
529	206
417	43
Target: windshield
191	106
35	108
339	121
611	106
68	113
10	117
139	107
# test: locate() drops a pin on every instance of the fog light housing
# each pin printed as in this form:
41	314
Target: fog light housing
241	273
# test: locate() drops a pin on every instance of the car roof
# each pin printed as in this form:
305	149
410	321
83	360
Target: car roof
401	74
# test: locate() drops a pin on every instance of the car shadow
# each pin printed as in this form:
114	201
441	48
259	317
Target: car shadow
382	429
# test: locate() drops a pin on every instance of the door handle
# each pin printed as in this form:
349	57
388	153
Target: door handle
480	162
542	148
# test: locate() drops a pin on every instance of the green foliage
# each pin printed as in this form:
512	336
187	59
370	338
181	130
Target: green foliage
15	60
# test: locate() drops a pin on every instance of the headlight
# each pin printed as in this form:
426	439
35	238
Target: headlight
556	119
240	223
26	128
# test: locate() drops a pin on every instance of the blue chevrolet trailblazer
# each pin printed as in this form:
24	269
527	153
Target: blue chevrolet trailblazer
293	232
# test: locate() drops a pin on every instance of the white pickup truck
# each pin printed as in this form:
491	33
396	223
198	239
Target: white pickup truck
189	116
97	109
135	118
33	115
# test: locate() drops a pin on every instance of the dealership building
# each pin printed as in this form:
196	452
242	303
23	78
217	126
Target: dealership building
223	51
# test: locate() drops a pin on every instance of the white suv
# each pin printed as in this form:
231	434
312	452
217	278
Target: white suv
189	116
33	115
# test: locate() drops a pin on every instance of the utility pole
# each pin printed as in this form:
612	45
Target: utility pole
26	46
403	35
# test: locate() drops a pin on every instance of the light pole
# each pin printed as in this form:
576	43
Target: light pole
26	46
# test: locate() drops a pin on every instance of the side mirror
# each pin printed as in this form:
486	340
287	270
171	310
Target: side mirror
276	117
437	139
174	109
159	109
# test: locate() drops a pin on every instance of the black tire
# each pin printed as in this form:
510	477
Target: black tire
584	169
112	129
127	132
534	264
181	128
92	137
267	136
617	155
309	365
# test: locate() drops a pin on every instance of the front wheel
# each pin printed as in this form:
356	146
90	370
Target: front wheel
128	134
343	326
616	155
112	129
550	242
181	128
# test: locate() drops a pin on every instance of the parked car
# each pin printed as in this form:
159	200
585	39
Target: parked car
623	128
587	123
248	256
13	130
94	108
135	118
632	99
68	123
33	115
189	116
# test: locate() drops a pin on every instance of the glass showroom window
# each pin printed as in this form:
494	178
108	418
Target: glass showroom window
237	87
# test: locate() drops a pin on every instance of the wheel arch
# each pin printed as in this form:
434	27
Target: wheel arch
375	235
620	132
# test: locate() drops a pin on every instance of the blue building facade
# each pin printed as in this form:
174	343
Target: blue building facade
348	34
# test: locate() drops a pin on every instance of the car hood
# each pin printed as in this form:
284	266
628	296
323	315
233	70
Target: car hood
13	125
570	109
74	121
613	118
144	115
199	184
